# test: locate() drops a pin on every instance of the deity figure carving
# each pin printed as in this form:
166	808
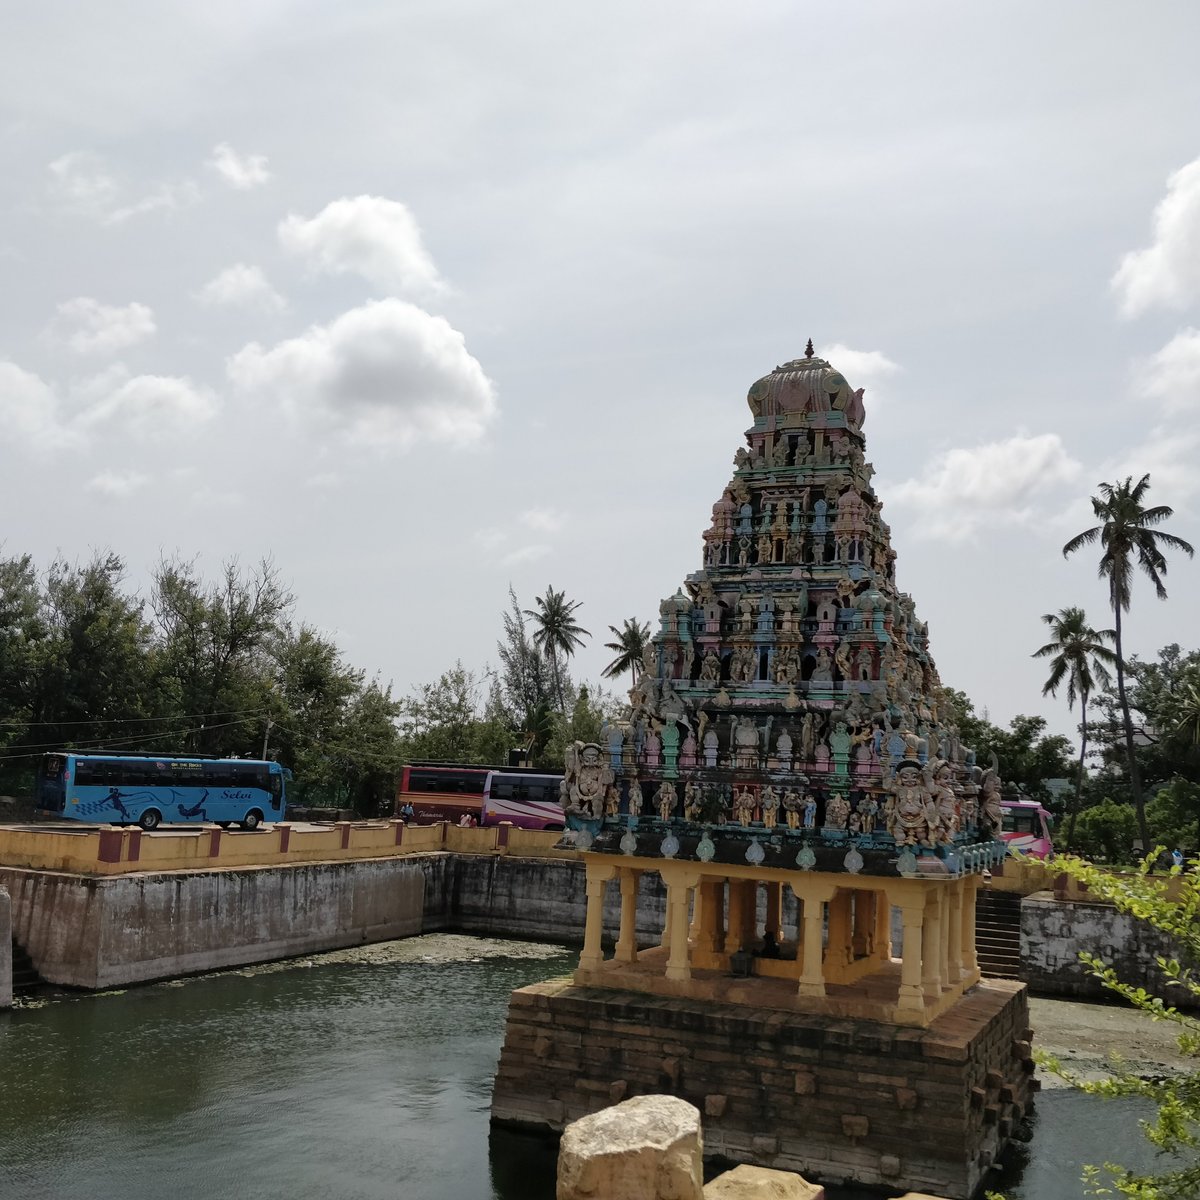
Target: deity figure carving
612	800
868	809
741	458
710	748
765	547
636	799
940	777
991	812
692	801
651	748
722	699
787	665
845	589
823	671
769	800
792	805
743	807
746	744
585	779
783	750
837	811
793	550
910	813
785	615
864	663
666	799
710	668
810	811
746	612
779	452
839	748
614	737
808	736
687	752
744	550
841	659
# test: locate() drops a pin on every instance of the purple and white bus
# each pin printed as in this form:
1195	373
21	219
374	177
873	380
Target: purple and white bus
529	799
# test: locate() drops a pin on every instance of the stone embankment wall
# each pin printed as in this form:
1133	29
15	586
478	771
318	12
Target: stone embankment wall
6	961
114	930
1053	932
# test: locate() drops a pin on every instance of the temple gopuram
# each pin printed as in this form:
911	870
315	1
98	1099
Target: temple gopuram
792	779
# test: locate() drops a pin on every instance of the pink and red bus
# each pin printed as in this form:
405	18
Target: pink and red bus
1026	828
449	791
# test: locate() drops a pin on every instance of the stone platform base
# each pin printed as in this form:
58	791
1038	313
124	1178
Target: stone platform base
834	1099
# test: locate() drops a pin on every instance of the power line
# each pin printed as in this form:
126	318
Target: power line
233	712
118	743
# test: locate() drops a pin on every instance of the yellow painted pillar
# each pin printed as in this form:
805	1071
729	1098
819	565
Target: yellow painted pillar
838	941
883	926
954	961
931	978
812	974
750	915
735	936
970	955
710	903
912	998
598	874
679	889
627	941
774	921
863	944
944	949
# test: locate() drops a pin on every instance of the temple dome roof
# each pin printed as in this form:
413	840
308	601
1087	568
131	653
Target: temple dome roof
805	385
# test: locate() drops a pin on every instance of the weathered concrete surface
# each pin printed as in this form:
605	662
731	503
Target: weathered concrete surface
5	950
648	1148
106	932
762	1183
1053	932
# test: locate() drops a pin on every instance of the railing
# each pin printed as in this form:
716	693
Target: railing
115	850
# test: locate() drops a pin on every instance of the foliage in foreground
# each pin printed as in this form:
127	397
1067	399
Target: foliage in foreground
1171	905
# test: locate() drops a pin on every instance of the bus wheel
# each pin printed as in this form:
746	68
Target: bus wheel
150	819
252	819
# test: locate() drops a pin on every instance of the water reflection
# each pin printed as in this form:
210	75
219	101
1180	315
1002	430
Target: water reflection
363	1082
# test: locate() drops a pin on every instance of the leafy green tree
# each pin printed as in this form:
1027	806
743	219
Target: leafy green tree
1175	1128
1106	831
369	753
1078	655
558	634
526	681
630	645
1174	814
1131	544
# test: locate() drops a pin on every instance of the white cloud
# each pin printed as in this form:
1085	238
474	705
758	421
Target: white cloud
367	235
547	520
524	554
167	196
80	181
1167	272
145	405
1172	376
966	487
29	410
118	484
387	373
89	327
242	286
862	368
241	171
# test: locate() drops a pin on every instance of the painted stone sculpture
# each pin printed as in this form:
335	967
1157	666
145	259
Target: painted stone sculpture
790	676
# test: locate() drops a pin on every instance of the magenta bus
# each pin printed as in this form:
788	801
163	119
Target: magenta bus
1026	828
529	799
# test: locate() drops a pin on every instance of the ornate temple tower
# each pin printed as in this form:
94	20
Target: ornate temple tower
789	734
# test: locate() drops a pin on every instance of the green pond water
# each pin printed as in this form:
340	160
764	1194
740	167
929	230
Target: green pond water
364	1076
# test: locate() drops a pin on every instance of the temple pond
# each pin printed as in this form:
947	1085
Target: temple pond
363	1075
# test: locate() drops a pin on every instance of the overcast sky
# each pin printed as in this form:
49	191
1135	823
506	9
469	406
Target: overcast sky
423	299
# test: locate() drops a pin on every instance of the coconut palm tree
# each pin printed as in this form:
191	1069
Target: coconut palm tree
1079	656
1131	543
632	639
557	632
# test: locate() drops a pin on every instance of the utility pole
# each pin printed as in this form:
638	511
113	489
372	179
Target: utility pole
266	734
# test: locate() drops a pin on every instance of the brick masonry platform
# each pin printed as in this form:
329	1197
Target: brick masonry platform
837	1100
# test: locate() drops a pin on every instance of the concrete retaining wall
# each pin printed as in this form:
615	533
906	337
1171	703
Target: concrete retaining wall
5	950
1053	932
106	932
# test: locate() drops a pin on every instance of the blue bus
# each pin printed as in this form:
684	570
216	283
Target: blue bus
146	789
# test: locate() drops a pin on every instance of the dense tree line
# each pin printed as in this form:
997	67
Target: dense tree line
209	667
